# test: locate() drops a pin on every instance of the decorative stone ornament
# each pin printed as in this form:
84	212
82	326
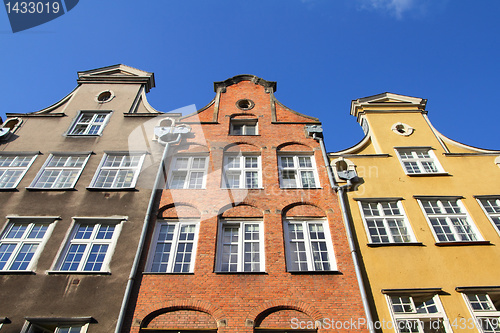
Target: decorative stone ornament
402	129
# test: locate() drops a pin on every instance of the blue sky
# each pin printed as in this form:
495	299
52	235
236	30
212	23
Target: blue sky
322	53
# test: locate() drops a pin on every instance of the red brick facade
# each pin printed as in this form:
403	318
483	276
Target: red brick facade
244	302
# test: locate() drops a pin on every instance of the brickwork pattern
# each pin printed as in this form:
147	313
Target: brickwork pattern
240	302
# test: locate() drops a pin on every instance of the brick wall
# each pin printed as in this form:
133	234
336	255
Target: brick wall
239	302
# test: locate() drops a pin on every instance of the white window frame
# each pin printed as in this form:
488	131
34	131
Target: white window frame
14	168
307	240
447	220
65	168
420	165
123	167
31	223
188	172
418	318
240	245
491	207
389	211
245	126
174	248
297	170
94	121
242	171
54	325
89	243
485	316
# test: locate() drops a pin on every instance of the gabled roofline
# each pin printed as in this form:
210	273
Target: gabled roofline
269	85
108	74
381	100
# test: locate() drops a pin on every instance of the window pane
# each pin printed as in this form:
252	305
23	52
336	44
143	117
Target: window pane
307	178
24	257
305	162
73	257
96	257
9	177
105	232
16	231
288	178
5	253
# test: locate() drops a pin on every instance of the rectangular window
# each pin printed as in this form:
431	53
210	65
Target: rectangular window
242	171
243	127
56	325
90	246
118	171
419	161
297	172
241	247
22	241
188	172
418	313
491	207
89	123
309	246
60	171
485	309
449	220
174	247
13	168
385	222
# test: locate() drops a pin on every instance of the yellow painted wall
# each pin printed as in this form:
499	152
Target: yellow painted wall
426	266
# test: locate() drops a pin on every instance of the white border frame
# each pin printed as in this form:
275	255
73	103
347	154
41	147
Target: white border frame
42	169
462	206
328	239
188	171
405	218
173	251
118	221
487	214
295	157
418	316
23	173
240	221
101	163
50	220
75	121
435	160
242	170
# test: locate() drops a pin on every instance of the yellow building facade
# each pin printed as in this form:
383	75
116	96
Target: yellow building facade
425	212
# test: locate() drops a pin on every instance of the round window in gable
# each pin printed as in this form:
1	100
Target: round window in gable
105	96
245	104
402	129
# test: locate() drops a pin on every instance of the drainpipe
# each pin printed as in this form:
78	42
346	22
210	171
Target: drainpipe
316	132
147	219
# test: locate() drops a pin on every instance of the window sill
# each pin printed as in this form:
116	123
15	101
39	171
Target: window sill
185	189
83	135
51	189
238	273
8	272
301	188
461	243
111	189
242	188
244	134
167	273
79	272
9	189
395	244
315	272
428	174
